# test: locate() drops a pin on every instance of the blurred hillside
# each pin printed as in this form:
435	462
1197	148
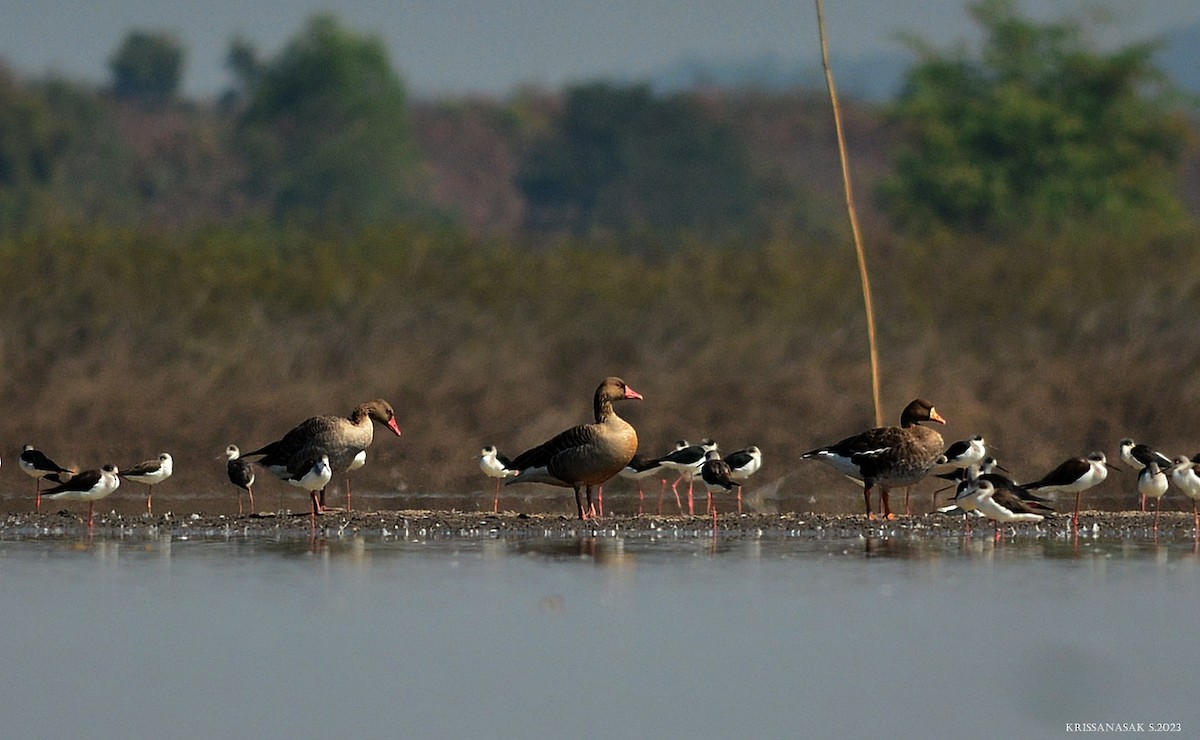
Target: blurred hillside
182	275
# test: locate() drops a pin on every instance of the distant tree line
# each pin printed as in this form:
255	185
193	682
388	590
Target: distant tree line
1039	129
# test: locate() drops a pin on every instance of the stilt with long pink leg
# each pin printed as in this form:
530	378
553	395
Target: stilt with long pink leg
36	465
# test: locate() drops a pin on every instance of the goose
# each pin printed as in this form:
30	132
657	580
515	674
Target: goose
342	439
90	486
586	455
887	457
151	472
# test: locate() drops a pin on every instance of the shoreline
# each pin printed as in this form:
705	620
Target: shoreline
433	524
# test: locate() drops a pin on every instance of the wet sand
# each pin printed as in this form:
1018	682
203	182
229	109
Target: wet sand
422	524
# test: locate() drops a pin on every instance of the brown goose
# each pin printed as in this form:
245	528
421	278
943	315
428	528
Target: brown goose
341	438
889	457
587	455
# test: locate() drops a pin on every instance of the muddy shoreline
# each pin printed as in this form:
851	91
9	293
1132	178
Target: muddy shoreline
424	524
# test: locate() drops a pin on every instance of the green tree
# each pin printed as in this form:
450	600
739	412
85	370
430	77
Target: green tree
147	67
1039	130
621	158
60	156
325	129
33	142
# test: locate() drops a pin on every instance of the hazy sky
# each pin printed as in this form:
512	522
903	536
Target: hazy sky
491	46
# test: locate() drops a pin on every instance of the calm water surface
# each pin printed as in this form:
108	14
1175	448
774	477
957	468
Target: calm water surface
532	637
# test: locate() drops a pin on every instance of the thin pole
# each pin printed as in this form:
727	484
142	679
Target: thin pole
858	245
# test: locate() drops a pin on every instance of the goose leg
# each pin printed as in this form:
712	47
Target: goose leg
249	490
883	499
591	504
867	500
579	502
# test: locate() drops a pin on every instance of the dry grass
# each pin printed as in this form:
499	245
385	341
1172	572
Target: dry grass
116	346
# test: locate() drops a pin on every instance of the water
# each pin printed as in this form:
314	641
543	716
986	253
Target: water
592	637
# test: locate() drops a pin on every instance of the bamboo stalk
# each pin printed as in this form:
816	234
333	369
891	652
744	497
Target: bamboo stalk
858	245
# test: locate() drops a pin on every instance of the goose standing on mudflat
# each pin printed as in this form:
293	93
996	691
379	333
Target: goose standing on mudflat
90	486
1074	475
151	472
342	439
587	455
37	466
495	465
888	457
241	474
